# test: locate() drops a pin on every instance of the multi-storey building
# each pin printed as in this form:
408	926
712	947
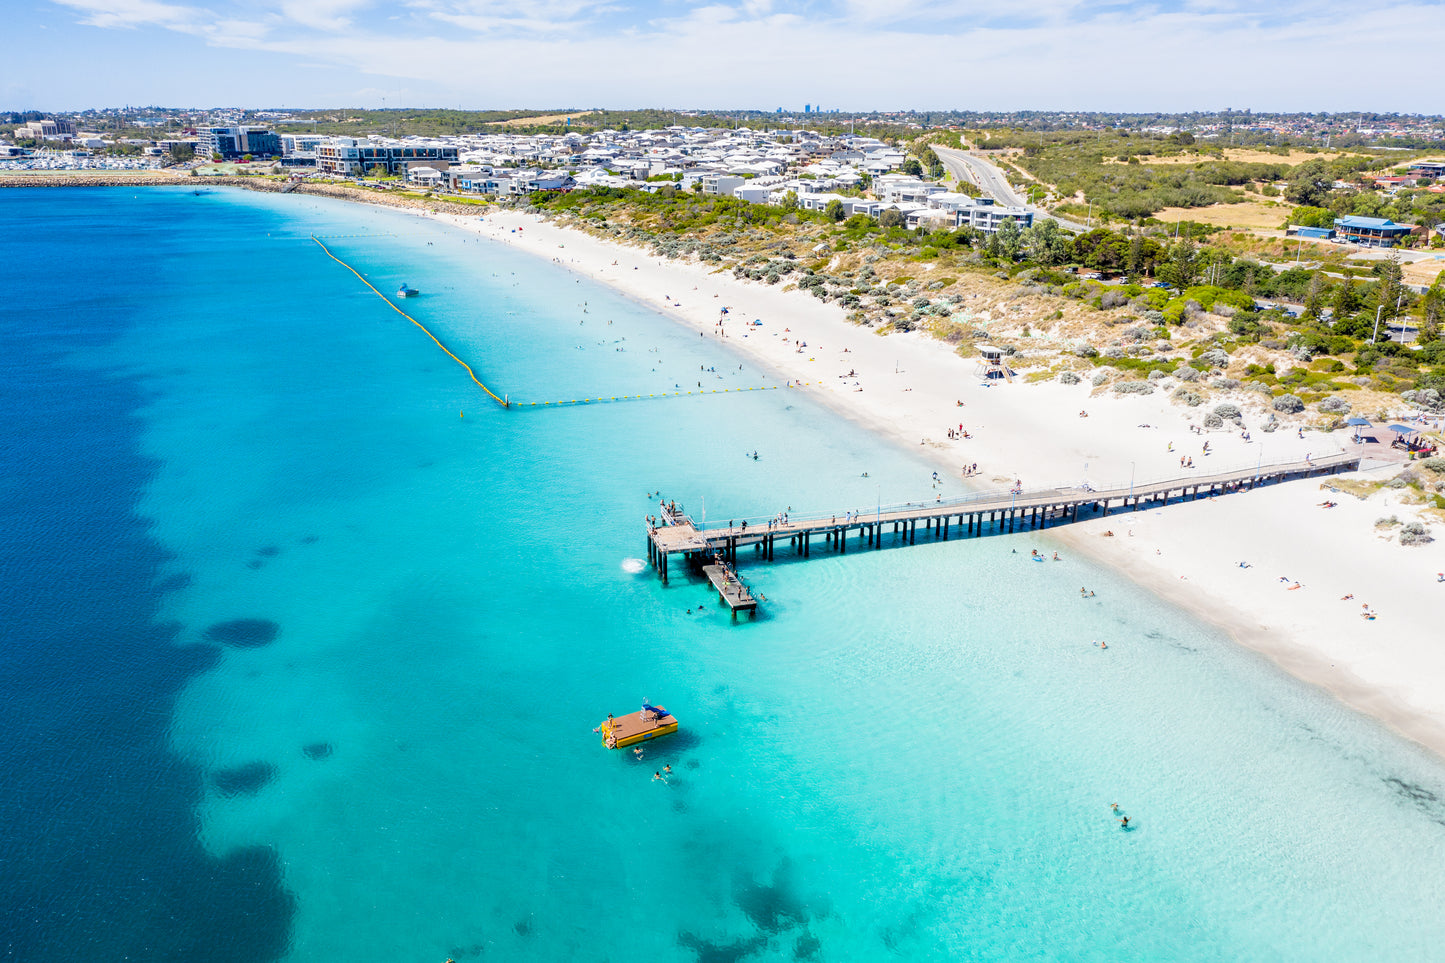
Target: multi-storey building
232	142
354	157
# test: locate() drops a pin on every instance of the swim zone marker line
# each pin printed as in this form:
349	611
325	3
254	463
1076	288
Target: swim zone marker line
506	402
472	374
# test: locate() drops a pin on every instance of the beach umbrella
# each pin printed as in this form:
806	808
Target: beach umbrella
1358	422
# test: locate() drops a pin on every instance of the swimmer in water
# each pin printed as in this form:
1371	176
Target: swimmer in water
667	769
657	777
637	752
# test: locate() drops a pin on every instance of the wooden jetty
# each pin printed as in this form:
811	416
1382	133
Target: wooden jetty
733	590
674	532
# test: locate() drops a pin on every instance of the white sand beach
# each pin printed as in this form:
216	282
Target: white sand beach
915	389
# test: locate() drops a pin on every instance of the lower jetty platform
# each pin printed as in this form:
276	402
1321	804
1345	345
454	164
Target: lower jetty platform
733	590
673	532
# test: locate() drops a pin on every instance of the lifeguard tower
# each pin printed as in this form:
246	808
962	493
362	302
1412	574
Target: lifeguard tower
991	365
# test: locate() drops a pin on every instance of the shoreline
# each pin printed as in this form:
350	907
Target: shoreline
1017	431
913	389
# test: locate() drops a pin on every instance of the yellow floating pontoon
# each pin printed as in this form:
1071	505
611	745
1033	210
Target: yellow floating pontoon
635	727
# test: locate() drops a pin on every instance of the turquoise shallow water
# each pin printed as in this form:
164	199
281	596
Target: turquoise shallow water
910	755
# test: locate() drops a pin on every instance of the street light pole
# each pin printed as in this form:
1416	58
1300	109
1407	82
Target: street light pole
1376	333
1131	479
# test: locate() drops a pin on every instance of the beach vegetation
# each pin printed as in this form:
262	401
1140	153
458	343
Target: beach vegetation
1211	303
1415	533
1142	366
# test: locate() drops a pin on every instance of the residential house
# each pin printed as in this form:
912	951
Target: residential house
1371	231
720	183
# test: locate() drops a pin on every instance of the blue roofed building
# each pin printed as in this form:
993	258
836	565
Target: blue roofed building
1371	231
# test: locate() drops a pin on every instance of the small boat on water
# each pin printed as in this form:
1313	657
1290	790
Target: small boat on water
406	292
635	727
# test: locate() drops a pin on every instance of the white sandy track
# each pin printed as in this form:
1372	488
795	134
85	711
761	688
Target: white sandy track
1392	668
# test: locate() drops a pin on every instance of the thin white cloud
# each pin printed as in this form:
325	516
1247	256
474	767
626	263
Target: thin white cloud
327	15
858	53
134	13
485	17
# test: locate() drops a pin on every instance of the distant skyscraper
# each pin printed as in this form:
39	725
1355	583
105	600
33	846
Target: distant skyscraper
807	108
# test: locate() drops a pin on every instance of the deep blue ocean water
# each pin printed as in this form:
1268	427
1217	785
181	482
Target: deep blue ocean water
301	663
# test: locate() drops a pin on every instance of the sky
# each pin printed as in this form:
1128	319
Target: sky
853	55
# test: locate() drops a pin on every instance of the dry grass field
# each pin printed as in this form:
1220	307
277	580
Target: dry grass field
1248	216
544	119
1242	154
1422	272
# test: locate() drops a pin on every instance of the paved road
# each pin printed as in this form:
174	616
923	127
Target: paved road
980	172
992	182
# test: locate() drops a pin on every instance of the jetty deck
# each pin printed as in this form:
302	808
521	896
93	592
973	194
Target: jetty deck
674	532
734	592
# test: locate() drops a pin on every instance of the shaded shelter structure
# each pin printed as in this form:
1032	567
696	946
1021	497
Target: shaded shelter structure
991	364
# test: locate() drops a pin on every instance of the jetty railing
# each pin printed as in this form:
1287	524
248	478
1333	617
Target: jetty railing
996	511
1084	489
